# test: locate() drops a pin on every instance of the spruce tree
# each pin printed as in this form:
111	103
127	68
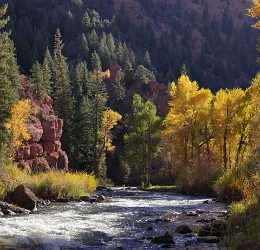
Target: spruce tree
37	81
9	74
47	67
63	102
96	62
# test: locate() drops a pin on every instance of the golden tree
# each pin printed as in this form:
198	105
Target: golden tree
17	124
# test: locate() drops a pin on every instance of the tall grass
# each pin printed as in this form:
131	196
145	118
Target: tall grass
50	185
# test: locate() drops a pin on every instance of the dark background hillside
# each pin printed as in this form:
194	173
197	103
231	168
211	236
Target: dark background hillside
212	38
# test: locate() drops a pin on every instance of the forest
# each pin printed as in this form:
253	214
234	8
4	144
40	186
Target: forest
87	102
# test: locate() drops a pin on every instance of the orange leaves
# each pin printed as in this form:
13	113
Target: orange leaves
109	121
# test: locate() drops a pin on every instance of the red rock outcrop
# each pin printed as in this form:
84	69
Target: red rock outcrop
43	152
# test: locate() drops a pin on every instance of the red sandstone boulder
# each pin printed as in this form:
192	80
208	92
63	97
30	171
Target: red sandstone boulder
63	161
23	153
35	129
52	129
53	160
40	165
36	150
51	147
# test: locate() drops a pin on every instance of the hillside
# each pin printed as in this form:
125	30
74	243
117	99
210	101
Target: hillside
212	38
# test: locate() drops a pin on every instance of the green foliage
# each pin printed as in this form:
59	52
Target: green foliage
142	139
9	75
144	75
63	102
40	85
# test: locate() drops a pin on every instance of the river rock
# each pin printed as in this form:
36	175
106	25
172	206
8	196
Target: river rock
204	230
97	198
9	209
208	239
164	239
23	197
218	227
183	229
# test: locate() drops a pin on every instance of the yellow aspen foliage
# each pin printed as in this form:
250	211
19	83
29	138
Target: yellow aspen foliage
109	121
17	124
225	120
186	125
255	12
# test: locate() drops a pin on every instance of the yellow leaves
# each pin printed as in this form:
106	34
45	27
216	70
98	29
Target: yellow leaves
109	121
187	103
17	124
255	12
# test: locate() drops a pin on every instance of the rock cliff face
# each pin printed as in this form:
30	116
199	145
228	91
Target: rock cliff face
43	152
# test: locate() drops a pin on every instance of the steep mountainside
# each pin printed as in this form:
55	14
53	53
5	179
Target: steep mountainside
214	39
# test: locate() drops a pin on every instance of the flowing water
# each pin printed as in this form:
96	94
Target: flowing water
120	223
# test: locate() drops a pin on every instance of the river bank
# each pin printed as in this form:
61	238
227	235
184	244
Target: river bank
128	219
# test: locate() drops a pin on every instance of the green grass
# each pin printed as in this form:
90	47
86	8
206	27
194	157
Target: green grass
50	185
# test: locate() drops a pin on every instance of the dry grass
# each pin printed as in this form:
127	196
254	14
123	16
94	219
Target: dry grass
51	185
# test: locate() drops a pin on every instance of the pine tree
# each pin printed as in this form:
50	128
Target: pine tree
96	62
37	81
84	45
47	67
9	75
63	102
147	60
93	40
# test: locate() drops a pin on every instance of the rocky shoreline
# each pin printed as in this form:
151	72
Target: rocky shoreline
196	229
22	201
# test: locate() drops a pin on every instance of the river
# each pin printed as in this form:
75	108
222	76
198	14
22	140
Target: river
120	223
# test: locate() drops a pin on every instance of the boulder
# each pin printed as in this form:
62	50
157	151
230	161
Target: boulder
40	165
63	161
23	197
164	239
52	129
23	153
204	230
218	227
183	229
51	147
36	150
208	239
53	160
35	129
9	209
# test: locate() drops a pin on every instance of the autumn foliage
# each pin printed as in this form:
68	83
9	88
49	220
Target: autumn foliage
17	124
207	133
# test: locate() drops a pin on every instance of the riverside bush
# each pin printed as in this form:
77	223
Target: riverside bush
50	185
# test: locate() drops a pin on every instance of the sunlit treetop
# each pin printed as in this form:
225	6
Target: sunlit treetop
255	12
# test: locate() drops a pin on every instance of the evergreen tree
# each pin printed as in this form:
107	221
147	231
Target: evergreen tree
84	45
147	60
37	81
47	67
63	102
96	62
144	75
9	75
141	140
93	40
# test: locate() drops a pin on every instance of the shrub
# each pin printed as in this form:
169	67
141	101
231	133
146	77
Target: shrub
50	185
198	178
56	185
